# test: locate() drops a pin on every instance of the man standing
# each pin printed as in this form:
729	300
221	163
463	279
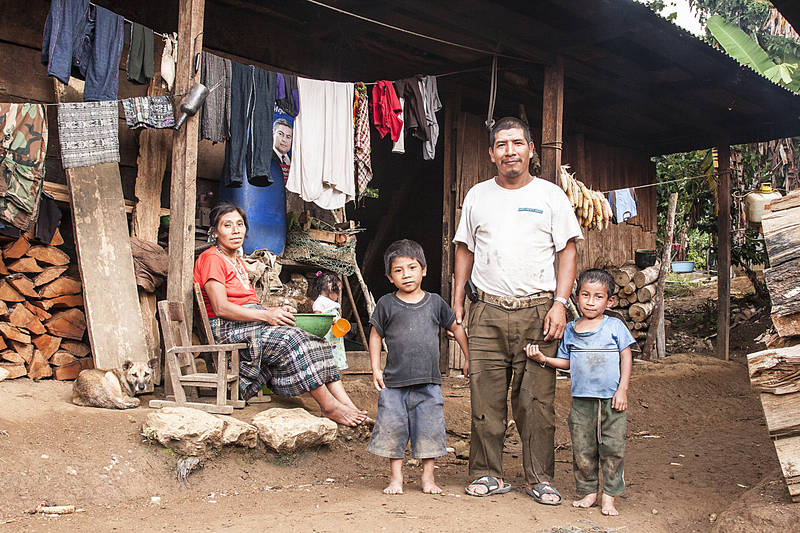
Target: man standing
512	230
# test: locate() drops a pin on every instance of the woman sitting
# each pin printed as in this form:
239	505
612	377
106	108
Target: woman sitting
287	359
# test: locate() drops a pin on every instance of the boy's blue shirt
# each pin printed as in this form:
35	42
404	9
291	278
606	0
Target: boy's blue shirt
594	357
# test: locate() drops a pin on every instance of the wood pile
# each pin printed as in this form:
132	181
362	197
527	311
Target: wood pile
42	324
634	296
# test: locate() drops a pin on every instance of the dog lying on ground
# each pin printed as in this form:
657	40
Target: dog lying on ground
113	388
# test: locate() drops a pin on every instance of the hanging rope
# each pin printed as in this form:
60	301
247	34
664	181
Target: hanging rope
492	95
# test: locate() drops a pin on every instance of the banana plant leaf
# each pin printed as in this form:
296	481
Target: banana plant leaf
741	47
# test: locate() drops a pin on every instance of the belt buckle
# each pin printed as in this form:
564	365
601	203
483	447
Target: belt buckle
509	302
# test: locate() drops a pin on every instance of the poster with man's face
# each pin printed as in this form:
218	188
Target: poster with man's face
282	125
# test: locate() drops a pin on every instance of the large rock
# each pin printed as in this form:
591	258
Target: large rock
185	430
287	430
238	433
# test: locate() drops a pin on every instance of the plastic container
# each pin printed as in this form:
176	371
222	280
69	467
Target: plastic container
340	327
756	201
645	258
682	267
266	214
315	323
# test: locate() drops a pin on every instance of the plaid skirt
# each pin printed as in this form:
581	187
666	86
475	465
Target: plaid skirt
288	360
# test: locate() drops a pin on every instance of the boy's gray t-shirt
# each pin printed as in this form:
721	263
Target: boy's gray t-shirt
411	332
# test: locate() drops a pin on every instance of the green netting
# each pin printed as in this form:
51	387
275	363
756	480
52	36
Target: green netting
303	249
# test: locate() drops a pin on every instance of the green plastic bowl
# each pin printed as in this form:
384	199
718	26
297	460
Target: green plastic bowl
314	323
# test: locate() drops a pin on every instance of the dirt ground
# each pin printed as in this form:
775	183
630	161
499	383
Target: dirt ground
698	459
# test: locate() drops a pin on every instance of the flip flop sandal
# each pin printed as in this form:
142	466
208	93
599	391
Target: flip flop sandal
492	487
540	489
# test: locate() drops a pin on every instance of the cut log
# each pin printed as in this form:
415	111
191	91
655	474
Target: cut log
70	300
3	309
38	368
15	370
623	302
57	239
624	274
22	318
3	269
48	254
782	236
13	334
24	350
40	313
12	357
25	264
787	202
639	334
78	349
646	277
86	363
60	287
16	249
49	274
67	372
3	344
640	311
9	293
70	324
640	325
646	293
22	284
629	288
776	371
632	298
47	344
61	358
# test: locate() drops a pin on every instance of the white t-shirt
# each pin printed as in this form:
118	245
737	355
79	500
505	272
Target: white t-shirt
515	234
323	304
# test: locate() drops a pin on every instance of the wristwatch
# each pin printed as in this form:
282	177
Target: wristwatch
562	301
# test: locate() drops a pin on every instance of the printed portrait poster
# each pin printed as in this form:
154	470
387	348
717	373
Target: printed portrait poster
282	125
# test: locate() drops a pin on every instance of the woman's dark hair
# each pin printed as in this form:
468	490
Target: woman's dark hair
326	281
597	275
223	209
403	248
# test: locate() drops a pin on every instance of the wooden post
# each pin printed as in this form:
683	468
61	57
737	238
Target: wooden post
183	192
658	310
355	312
552	117
452	107
724	252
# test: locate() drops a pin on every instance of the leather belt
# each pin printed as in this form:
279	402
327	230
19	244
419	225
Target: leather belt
512	303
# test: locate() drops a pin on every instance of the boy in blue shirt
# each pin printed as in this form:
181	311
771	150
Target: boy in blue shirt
596	350
410	403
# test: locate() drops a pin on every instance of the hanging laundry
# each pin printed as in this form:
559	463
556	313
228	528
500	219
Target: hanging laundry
48	218
23	147
623	204
169	60
215	115
413	110
282	134
84	40
149	112
363	157
248	152
140	54
430	98
385	109
286	94
399	146
323	146
88	133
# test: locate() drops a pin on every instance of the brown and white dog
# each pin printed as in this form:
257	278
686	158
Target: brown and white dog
113	388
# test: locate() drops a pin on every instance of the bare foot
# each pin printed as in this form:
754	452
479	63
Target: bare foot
395	486
607	506
429	486
590	500
344	415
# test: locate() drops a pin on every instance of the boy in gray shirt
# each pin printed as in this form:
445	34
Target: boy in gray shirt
410	403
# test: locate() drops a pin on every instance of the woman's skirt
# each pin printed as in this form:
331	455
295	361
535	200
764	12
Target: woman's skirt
288	360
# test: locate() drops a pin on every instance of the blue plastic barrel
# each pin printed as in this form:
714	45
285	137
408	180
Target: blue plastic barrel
266	214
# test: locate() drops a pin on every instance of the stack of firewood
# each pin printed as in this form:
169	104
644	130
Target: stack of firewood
42	324
636	289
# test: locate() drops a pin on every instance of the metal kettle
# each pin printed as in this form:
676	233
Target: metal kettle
191	103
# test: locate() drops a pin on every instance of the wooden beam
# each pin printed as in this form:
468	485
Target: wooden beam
183	190
552	119
452	108
724	252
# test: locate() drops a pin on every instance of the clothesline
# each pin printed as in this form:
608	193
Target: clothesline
162	35
688	178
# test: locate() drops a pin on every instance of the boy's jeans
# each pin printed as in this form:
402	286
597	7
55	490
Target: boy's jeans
597	444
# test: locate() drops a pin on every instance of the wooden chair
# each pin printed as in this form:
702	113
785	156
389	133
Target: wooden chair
180	358
206	325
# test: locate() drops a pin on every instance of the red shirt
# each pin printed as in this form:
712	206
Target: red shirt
211	264
385	110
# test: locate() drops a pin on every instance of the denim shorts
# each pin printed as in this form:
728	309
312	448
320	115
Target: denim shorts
413	413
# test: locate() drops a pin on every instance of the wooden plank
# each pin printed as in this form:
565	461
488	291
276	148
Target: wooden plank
782	236
775	370
782	414
104	258
452	106
790	200
552	117
789	456
783	283
724	252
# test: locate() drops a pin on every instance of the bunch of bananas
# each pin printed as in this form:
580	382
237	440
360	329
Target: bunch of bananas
591	207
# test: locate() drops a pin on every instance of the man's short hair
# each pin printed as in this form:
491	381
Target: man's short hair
403	248
281	122
509	123
598	275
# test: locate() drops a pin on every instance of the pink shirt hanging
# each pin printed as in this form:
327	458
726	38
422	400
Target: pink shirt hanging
386	110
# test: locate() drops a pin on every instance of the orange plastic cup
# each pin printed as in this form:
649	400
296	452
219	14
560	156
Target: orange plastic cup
340	327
